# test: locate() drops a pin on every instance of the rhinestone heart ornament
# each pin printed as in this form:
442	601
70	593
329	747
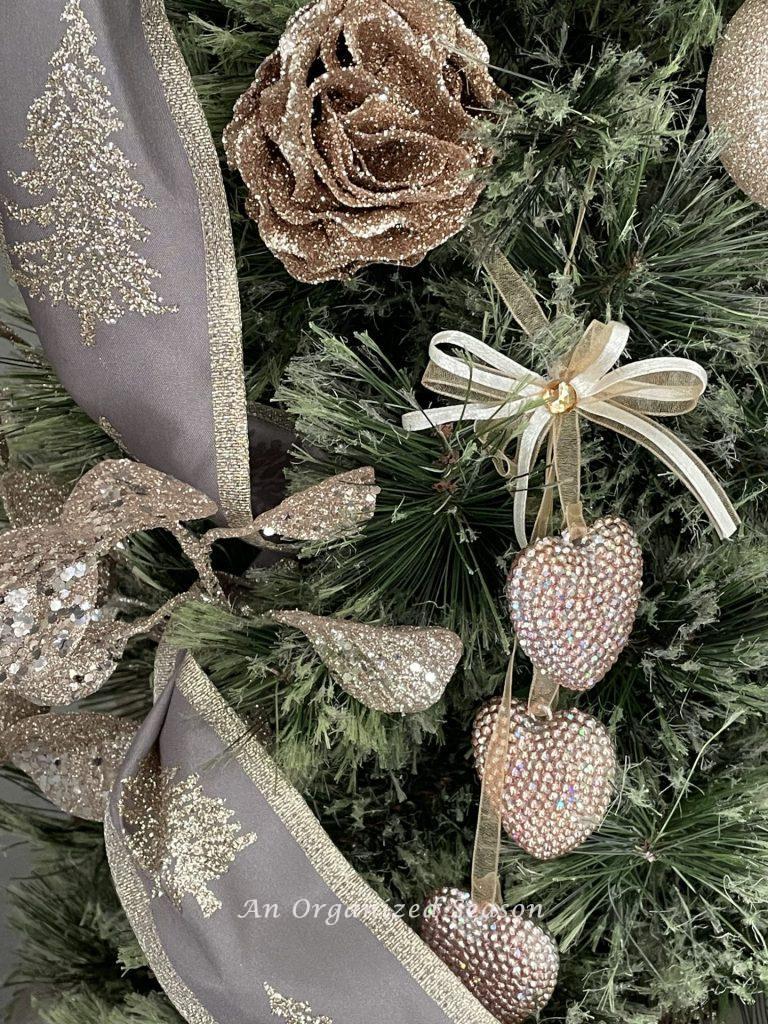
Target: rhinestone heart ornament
573	603
508	962
559	777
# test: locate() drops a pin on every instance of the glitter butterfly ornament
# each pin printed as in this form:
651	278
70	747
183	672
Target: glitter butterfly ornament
547	776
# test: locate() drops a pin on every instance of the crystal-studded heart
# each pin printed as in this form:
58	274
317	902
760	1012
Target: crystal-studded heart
573	604
507	961
559	778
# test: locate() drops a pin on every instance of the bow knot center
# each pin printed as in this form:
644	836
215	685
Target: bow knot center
560	397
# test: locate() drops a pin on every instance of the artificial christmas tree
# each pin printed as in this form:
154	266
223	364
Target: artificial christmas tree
608	197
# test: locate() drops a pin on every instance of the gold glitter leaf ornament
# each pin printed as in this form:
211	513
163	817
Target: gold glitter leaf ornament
508	962
58	641
559	778
89	255
327	511
573	603
737	98
356	138
398	669
73	759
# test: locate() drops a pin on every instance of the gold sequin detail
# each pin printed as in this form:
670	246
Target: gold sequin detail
181	837
89	257
388	668
31	498
292	1011
58	640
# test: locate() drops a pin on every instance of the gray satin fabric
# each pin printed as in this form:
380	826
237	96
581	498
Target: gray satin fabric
148	375
342	971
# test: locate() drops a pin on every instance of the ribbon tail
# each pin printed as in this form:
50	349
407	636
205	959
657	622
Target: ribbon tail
527	453
676	455
517	296
486	884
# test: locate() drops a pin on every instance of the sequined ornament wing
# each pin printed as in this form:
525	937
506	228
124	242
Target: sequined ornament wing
399	669
106	177
118	497
73	759
31	498
13	709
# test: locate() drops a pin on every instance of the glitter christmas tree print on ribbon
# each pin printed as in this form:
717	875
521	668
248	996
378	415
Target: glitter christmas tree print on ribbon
107	172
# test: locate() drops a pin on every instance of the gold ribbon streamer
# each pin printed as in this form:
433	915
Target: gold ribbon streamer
486	884
497	391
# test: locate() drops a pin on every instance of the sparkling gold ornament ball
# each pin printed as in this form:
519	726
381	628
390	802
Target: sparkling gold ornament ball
737	98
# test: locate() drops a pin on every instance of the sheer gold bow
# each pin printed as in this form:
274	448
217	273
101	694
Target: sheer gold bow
493	387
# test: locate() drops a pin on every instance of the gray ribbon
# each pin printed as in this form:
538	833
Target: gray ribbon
240	900
117	231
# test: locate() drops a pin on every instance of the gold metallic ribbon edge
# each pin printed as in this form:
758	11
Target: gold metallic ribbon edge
436	980
223	300
135	903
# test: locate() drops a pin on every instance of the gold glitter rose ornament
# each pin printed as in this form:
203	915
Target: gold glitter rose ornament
573	603
559	777
737	98
509	963
356	140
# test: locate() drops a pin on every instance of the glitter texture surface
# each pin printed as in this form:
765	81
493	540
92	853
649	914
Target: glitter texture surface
74	759
13	709
388	668
31	498
355	138
58	640
292	1011
737	98
88	259
573	605
332	509
181	836
508	963
559	777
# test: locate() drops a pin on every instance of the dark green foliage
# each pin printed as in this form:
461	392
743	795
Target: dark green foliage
662	915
